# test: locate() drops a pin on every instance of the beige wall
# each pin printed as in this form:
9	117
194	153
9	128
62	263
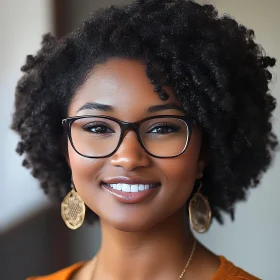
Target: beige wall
22	24
79	10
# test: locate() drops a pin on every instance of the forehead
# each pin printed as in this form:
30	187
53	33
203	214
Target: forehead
122	84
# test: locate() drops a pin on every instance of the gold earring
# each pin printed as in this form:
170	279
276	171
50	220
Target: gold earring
200	213
73	209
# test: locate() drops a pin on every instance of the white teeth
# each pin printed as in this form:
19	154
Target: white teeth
125	187
134	188
130	188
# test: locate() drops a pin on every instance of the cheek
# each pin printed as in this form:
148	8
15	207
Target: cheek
85	174
181	172
180	175
85	171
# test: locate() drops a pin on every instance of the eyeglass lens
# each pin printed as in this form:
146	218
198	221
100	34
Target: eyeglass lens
99	137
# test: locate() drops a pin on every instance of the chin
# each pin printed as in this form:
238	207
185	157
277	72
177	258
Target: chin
135	224
132	228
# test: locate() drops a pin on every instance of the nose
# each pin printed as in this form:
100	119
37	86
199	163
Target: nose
130	154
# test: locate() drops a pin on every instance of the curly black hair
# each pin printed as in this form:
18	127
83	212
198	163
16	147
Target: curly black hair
212	63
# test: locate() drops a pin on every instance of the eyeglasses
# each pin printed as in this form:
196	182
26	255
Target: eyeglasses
163	136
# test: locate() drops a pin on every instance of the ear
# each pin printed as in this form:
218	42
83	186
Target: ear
202	161
66	156
64	149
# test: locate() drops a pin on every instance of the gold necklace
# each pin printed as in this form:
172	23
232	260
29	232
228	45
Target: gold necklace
189	261
182	273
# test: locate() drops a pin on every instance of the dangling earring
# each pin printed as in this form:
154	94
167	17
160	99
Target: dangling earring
200	213
73	209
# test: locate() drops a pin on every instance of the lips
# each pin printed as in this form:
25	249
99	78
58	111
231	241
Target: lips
130	180
130	190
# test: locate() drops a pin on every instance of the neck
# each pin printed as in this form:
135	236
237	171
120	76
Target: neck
158	253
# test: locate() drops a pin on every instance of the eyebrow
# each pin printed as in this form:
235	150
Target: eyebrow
96	106
109	108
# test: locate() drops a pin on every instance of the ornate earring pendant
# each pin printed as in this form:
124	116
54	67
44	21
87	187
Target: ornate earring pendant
73	209
200	213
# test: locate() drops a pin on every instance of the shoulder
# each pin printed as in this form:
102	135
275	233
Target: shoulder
228	271
63	274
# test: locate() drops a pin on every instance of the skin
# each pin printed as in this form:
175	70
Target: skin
152	239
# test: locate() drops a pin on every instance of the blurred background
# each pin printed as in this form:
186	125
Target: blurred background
33	237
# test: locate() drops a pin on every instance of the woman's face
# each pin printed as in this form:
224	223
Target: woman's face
123	85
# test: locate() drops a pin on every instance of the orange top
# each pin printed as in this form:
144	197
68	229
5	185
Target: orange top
226	271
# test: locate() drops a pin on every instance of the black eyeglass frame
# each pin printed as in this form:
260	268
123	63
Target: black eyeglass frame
127	126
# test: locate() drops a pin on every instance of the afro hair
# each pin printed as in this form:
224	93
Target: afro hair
212	63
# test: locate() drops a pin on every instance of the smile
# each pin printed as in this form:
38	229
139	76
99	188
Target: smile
131	193
133	188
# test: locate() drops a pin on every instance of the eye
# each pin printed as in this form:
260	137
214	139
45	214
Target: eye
164	128
98	128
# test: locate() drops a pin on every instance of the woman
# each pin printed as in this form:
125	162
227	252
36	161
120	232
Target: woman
154	118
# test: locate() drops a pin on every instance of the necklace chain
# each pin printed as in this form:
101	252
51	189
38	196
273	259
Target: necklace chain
189	261
182	273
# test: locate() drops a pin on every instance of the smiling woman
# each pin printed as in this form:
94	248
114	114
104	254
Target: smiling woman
149	148
152	113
